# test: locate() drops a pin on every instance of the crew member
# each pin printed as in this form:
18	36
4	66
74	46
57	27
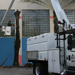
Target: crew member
9	23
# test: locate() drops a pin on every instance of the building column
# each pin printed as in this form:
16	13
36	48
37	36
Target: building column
20	50
51	22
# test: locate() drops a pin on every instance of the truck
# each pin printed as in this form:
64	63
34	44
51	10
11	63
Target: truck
54	52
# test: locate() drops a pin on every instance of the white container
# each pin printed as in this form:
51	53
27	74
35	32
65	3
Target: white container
8	30
41	42
45	45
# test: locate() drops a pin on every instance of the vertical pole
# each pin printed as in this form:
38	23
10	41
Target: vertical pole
17	39
57	40
59	49
20	50
64	51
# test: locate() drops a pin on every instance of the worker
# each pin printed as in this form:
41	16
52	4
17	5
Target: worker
9	23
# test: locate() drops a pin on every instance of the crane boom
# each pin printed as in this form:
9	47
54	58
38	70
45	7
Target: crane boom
60	13
2	22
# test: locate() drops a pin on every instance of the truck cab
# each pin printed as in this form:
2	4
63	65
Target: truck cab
71	51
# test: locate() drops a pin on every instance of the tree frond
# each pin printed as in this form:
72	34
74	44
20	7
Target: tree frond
48	4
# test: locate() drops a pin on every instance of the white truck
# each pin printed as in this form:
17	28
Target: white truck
54	53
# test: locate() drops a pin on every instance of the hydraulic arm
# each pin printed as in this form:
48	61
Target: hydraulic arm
2	22
61	16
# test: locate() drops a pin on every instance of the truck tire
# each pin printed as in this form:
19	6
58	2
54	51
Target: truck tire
39	70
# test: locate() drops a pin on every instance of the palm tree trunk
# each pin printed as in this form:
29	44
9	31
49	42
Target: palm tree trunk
17	39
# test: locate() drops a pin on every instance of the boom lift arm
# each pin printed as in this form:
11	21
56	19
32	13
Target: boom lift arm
2	22
61	16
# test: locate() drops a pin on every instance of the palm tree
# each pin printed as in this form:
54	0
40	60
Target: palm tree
47	3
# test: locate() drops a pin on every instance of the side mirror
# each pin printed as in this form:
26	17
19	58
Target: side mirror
69	41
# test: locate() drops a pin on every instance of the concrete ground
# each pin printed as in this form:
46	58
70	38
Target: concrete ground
16	71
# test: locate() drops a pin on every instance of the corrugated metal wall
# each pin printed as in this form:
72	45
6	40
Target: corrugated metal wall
7	50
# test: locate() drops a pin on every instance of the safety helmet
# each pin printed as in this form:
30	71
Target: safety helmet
10	20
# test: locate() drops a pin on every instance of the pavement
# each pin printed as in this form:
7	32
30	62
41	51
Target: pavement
16	71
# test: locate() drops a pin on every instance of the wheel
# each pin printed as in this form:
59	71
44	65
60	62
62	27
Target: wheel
39	69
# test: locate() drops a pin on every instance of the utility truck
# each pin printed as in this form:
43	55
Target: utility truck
54	52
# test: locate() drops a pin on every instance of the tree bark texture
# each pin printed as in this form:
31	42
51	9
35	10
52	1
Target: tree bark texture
17	39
